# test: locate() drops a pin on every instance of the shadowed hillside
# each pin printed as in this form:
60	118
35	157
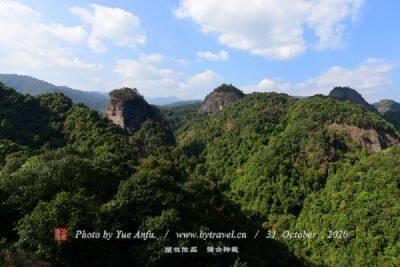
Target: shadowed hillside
265	164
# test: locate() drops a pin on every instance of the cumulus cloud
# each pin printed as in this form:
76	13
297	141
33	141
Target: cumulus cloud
75	34
142	70
208	55
269	84
369	78
152	58
199	84
145	74
182	62
114	24
158	58
274	28
27	42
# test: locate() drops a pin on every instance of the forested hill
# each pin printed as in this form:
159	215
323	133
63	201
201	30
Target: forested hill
65	165
267	162
29	85
312	164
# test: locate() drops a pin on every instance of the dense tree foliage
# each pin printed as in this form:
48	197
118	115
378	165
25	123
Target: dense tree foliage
394	118
363	199
180	115
270	154
268	162
27	121
225	88
29	85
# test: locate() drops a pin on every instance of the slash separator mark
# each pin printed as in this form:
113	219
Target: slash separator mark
256	234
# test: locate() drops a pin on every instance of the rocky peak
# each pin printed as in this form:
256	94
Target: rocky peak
127	109
386	105
348	94
220	98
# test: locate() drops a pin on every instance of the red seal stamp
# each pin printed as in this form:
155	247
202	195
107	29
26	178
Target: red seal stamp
60	234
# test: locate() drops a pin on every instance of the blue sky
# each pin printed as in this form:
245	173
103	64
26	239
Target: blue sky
185	48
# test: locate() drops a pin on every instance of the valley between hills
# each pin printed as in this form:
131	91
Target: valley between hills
323	169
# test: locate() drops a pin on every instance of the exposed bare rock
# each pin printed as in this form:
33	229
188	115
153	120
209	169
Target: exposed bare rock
348	94
127	109
220	98
387	105
371	139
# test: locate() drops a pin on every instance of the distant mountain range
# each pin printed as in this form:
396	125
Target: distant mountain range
183	102
94	100
98	100
29	85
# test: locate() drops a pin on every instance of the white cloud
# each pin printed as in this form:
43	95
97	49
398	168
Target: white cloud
200	83
327	19
152	58
152	80
269	84
33	46
27	42
370	77
159	58
74	34
221	55
148	78
182	62
273	28
115	24
141	70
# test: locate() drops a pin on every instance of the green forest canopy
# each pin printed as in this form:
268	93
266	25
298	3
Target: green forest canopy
268	161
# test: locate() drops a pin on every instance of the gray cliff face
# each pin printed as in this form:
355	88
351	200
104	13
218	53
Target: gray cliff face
127	109
217	100
370	139
387	105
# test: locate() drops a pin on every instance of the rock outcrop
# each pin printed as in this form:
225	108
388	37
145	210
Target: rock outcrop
128	109
386	105
370	139
220	98
348	94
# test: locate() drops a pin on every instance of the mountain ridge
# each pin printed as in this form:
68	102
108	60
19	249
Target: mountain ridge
30	85
93	99
349	94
